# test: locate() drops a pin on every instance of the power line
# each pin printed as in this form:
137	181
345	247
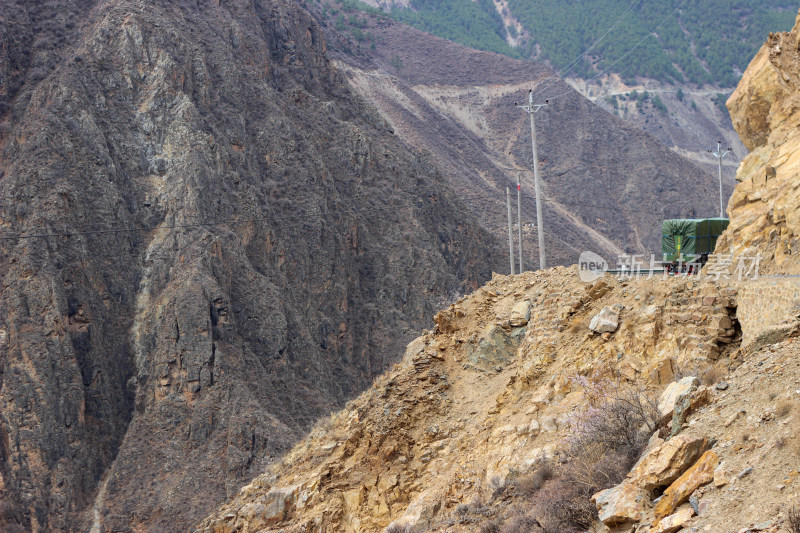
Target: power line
626	54
302	217
560	75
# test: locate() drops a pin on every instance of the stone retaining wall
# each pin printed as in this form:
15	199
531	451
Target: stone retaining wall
766	301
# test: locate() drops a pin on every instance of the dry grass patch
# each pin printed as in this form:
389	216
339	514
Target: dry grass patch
785	407
793	520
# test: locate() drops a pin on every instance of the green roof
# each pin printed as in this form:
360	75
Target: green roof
690	237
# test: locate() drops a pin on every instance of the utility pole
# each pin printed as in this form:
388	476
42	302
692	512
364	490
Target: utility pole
519	222
720	154
531	109
510	232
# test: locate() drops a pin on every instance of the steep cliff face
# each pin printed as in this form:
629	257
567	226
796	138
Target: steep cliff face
764	207
208	241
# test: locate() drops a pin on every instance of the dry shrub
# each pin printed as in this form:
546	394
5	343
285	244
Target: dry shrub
490	526
498	486
526	485
784	408
793	520
618	416
609	433
521	523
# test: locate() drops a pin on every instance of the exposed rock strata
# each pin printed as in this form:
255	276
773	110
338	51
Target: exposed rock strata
469	404
231	257
764	108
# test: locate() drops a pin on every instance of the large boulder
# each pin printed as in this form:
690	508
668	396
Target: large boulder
701	473
675	521
520	314
665	463
607	320
622	504
660	467
676	389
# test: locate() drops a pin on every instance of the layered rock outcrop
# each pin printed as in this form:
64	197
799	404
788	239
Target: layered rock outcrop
763	208
482	396
204	247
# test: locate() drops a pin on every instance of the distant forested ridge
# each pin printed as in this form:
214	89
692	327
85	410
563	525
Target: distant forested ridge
674	41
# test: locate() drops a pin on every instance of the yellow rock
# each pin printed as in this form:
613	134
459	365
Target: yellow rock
621	504
663	464
701	473
675	521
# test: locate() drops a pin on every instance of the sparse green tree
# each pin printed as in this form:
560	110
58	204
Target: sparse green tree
659	105
396	62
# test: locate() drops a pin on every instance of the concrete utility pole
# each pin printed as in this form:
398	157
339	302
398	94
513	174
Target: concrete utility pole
531	109
519	222
510	232
720	154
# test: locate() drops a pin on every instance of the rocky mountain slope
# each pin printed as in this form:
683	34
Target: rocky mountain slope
686	51
207	241
690	120
486	395
763	208
606	184
511	414
704	43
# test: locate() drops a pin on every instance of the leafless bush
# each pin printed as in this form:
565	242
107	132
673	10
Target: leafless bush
609	433
498	486
462	510
564	506
521	523
616	417
490	526
527	484
793	520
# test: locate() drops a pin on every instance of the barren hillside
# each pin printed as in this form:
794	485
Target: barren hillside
606	185
542	403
